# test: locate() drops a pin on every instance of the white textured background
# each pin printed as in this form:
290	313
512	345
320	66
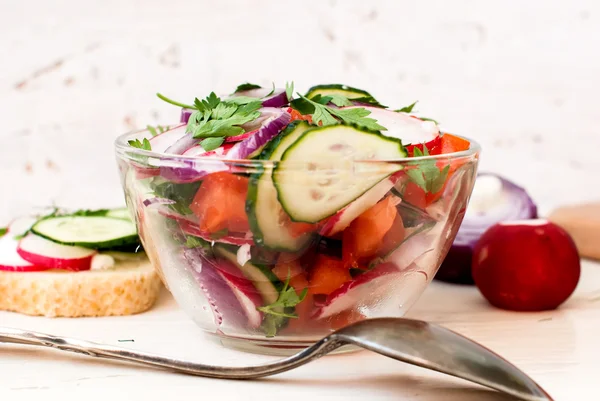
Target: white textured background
522	77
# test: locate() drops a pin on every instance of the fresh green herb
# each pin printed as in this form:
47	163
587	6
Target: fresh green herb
339	100
270	93
271	324
181	194
219	234
3	231
145	144
288	298
407	109
289	89
429	119
216	118
209	144
196	242
159	129
368	100
173	102
325	115
428	176
241	100
246	87
87	212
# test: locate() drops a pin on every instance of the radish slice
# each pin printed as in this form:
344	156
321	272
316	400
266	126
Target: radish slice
494	199
10	260
42	252
408	129
253	145
162	142
342	219
367	290
244	291
21	225
217	153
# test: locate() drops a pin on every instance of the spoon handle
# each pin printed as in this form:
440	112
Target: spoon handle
96	350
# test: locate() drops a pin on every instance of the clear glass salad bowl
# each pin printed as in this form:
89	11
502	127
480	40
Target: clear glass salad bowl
219	233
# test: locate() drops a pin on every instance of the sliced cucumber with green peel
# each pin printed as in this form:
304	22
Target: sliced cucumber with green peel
320	173
96	232
122	213
265	214
263	279
348	92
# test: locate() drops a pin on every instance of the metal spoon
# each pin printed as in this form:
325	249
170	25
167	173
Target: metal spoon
412	341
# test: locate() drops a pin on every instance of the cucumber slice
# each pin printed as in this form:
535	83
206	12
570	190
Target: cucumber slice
349	92
122	213
262	206
96	232
262	278
318	174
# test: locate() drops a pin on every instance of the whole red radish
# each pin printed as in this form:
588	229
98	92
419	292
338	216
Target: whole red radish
526	265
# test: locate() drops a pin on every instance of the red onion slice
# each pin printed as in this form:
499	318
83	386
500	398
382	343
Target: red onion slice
254	144
276	99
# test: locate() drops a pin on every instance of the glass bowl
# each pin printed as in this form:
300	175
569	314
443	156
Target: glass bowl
235	262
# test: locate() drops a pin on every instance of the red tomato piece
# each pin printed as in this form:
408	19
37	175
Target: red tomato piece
451	143
363	236
220	203
328	275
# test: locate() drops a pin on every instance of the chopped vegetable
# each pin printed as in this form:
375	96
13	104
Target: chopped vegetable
526	265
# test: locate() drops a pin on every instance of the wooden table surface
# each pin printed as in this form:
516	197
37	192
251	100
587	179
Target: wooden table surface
558	349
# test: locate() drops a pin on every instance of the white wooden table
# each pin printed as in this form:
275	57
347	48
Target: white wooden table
559	349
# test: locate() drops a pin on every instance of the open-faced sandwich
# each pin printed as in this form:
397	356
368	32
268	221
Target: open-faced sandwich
85	263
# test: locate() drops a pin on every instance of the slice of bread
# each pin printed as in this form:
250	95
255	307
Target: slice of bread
130	287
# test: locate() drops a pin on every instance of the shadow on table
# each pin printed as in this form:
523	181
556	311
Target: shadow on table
401	385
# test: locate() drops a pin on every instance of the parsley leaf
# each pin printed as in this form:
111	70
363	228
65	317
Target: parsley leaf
196	242
173	102
289	89
429	119
368	100
271	324
219	234
325	115
159	129
246	87
288	298
241	100
86	212
216	118
182	194
270	93
339	100
145	144
357	116
3	231
428	176
407	109
209	144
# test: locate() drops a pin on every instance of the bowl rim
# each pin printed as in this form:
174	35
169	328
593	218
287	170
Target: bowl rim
123	149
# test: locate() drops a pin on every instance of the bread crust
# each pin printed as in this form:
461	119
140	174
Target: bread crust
129	288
